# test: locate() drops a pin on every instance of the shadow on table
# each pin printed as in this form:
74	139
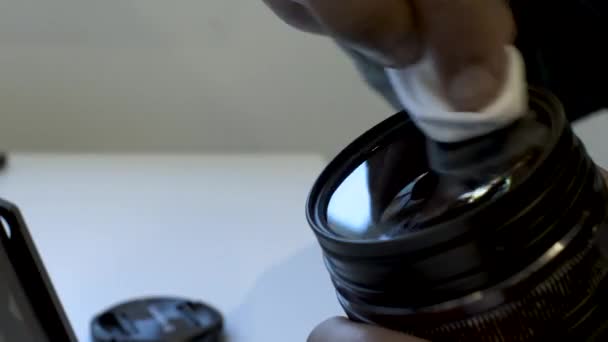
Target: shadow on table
286	303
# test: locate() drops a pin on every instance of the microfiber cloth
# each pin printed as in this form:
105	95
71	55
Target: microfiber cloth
419	91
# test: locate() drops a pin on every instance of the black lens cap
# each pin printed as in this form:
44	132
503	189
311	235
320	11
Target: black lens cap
158	320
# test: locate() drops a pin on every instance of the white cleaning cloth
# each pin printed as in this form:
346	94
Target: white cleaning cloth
419	91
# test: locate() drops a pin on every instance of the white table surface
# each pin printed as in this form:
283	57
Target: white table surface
229	230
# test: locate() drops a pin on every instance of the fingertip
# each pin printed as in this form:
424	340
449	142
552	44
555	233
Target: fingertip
473	88
467	40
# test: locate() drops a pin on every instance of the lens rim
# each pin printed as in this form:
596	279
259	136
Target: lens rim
363	147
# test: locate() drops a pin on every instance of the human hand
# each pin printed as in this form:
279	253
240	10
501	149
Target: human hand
343	330
464	38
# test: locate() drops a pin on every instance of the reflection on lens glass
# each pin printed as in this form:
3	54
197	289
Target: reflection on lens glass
371	200
396	191
349	210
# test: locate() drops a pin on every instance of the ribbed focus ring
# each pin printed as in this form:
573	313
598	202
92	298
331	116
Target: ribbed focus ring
572	292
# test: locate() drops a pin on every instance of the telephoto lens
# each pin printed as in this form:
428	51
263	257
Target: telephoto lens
499	238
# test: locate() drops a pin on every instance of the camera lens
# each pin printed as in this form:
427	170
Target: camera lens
500	238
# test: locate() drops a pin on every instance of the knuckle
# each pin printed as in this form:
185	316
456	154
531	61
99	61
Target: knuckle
383	30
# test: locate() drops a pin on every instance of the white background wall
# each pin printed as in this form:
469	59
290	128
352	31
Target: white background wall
158	75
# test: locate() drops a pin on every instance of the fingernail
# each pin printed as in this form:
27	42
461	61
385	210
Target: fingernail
473	88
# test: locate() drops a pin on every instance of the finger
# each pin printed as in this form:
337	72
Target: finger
381	29
466	39
295	15
343	330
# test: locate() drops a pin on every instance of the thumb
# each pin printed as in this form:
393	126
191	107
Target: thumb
467	39
342	330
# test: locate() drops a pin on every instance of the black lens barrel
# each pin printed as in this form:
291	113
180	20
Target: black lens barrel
525	265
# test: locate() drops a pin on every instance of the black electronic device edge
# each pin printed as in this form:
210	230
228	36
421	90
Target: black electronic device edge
3	160
31	273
